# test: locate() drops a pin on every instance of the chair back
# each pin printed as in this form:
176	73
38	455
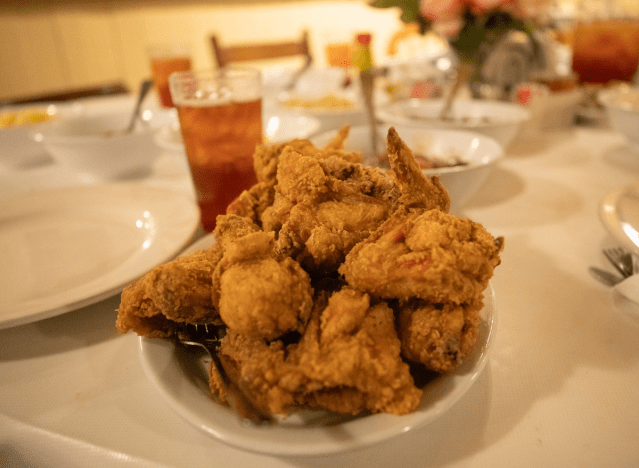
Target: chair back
250	52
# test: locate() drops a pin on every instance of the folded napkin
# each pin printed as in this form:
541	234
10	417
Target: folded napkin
629	288
626	297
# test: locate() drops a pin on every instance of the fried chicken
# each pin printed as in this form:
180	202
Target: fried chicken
429	255
439	336
257	293
348	361
176	292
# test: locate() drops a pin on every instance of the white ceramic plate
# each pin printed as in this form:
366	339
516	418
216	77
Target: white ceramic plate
67	248
276	129
619	212
182	380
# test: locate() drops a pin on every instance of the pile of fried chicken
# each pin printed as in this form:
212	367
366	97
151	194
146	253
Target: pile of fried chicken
330	278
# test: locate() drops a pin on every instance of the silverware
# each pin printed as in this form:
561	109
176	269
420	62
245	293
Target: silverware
145	87
208	338
621	260
297	75
604	277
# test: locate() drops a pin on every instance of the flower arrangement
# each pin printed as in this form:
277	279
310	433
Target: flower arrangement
472	27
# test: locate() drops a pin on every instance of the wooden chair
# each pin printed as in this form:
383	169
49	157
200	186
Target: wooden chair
253	52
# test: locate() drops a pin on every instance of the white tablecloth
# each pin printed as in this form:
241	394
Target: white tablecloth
561	388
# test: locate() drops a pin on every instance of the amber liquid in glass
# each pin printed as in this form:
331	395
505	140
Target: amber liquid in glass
219	142
161	68
606	50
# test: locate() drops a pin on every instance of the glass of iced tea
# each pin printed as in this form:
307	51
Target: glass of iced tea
606	50
220	113
166	59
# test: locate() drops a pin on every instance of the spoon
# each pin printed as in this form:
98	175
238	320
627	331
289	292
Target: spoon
144	89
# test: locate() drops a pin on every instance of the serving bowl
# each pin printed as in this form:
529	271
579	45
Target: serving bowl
478	152
622	108
496	119
97	144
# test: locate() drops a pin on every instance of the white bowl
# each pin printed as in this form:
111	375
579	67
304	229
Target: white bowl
462	182
96	144
496	119
17	149
622	107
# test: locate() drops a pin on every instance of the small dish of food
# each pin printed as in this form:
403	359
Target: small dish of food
462	160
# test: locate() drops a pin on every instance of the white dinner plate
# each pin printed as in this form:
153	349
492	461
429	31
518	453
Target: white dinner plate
182	380
619	212
66	248
276	129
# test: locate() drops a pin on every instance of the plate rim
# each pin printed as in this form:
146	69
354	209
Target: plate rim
32	310
158	363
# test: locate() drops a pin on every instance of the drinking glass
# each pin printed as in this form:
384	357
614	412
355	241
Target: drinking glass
166	59
220	113
605	50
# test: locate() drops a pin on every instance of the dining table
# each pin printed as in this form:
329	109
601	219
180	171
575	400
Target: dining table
560	386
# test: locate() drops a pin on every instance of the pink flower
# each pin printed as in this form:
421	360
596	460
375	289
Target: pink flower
443	11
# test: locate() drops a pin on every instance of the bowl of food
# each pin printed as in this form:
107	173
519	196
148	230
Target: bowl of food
100	146
622	107
16	126
462	160
496	119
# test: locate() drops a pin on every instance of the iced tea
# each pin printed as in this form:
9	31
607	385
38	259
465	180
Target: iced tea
161	68
221	125
606	50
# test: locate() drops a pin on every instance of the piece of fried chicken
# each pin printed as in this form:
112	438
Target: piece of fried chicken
180	291
348	361
173	293
258	293
439	336
429	255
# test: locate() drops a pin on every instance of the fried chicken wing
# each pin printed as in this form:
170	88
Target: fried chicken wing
429	255
176	292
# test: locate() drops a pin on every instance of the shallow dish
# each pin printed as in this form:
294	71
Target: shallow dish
622	107
499	120
480	152
67	248
181	378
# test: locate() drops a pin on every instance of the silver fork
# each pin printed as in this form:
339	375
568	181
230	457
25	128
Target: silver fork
208	337
621	260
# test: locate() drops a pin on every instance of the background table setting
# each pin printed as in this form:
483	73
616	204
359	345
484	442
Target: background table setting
558	386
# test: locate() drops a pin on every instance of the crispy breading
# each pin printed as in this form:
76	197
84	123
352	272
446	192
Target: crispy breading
430	255
439	336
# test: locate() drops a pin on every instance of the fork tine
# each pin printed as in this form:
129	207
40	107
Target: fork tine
612	257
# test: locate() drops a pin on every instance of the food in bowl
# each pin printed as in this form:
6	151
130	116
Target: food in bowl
330	280
465	159
329	101
26	116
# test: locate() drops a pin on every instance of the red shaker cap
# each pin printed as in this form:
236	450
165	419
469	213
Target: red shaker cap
363	38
